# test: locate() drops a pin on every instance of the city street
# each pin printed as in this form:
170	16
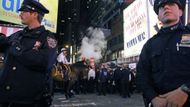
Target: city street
92	100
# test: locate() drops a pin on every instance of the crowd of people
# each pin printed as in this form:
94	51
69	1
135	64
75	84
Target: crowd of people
105	80
102	79
30	54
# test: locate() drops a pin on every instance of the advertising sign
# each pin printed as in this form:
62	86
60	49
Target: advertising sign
9	11
188	12
50	20
135	28
140	24
154	23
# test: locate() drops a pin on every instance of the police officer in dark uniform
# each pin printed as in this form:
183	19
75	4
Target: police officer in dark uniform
29	57
125	81
163	71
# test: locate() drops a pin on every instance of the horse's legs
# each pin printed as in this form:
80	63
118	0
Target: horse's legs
70	87
65	88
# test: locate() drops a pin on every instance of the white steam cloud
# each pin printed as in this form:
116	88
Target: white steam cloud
93	45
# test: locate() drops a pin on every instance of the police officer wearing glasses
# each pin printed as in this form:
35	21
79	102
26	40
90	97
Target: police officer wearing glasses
163	71
29	57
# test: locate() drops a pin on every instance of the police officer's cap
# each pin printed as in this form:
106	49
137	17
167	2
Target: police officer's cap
159	3
33	5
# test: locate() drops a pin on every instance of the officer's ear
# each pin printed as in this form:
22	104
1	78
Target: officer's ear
180	12
158	16
35	14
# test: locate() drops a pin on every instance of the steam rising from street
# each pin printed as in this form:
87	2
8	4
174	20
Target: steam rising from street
93	44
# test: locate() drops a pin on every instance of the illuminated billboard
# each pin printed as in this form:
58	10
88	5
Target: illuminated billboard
9	11
188	12
154	23
135	28
140	22
50	20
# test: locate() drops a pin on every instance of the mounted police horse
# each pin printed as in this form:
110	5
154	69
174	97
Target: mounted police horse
69	75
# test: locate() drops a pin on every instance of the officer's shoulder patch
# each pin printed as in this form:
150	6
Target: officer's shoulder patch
52	43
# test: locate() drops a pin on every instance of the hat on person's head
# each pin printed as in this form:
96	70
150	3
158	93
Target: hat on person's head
63	49
159	3
33	5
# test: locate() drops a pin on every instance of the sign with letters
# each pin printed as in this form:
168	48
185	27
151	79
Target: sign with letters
50	20
140	23
9	11
135	28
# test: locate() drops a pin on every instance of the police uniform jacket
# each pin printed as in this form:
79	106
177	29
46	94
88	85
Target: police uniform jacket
29	55
164	61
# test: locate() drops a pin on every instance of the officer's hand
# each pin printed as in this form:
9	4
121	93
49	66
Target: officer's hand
176	98
159	102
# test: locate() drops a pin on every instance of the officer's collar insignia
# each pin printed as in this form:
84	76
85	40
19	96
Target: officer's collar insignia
52	43
174	27
38	32
185	39
37	45
159	3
